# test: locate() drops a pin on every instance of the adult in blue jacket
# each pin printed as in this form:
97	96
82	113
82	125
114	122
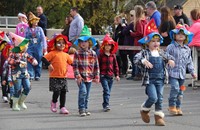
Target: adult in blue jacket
153	13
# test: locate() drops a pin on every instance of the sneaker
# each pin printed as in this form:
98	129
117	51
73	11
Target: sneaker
130	78
87	113
37	79
82	113
53	107
106	109
5	99
63	110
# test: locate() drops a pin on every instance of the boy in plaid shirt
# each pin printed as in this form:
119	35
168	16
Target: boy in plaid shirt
86	68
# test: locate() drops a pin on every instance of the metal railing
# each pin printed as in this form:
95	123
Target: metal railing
8	21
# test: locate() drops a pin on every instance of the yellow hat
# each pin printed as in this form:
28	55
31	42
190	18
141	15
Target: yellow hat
32	17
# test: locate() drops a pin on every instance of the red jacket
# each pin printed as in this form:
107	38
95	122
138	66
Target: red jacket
139	31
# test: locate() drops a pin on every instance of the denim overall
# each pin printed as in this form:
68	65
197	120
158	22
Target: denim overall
35	49
155	88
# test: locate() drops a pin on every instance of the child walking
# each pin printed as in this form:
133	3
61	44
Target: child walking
18	60
57	61
86	68
152	61
183	60
108	68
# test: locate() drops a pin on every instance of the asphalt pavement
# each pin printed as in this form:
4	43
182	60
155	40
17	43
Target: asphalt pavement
126	99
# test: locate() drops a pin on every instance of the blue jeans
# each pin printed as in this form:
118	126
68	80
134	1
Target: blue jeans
106	83
83	95
176	94
154	90
18	83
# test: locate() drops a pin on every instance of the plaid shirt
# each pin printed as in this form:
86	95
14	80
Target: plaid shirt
14	60
86	65
183	60
108	65
144	54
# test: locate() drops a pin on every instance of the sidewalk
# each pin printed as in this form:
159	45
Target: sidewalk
126	99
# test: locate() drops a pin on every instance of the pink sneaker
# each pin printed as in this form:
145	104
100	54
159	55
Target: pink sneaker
53	107
63	110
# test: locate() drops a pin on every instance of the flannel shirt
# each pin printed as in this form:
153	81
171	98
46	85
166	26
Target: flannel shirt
108	65
183	60
86	65
144	54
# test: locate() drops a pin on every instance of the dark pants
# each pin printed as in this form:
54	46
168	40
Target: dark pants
62	95
122	61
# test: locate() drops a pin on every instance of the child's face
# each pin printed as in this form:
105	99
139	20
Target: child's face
180	36
154	43
84	44
107	47
60	44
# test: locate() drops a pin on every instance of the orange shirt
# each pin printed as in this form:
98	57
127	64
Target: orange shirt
59	61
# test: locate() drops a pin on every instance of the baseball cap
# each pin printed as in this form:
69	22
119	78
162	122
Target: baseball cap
178	7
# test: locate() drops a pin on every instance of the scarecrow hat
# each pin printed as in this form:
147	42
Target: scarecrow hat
18	42
107	40
32	17
3	37
182	28
52	42
85	36
149	32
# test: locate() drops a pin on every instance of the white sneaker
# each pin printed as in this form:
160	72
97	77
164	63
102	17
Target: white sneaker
5	99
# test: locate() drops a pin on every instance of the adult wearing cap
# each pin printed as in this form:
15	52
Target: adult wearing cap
86	68
153	13
43	19
22	25
179	16
37	46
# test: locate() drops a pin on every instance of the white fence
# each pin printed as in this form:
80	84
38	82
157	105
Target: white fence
8	21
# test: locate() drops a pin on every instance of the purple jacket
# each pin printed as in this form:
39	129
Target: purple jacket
128	40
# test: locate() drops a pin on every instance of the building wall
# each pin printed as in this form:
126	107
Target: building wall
190	5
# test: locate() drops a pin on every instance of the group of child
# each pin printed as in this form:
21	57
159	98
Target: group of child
88	68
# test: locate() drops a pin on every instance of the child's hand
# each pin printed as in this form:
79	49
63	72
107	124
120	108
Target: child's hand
194	76
96	80
79	80
117	78
3	82
148	64
171	63
34	63
22	64
50	67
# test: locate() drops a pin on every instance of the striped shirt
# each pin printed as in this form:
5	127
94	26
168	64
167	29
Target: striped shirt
183	60
86	64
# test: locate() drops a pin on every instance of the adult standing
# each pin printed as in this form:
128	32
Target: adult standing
179	16
194	28
37	45
128	41
153	13
167	24
43	19
118	36
76	25
137	34
68	20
